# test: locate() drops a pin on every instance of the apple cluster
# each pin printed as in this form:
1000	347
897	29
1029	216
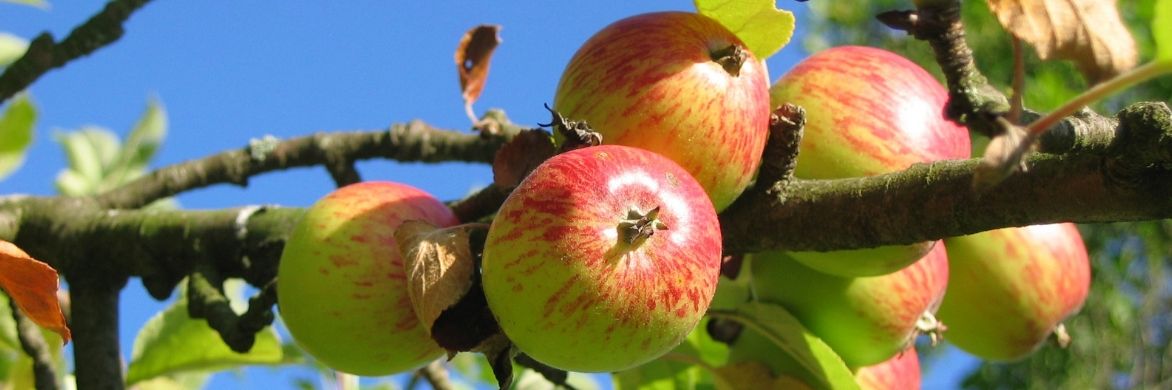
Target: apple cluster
606	257
1000	293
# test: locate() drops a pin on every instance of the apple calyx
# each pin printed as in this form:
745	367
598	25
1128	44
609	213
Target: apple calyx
730	58
929	325
639	226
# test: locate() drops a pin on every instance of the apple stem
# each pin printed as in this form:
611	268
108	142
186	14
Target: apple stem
730	58
639	226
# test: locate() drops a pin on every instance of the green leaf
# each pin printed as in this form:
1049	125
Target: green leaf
1162	30
147	135
72	183
11	48
42	4
171	342
764	28
813	359
16	134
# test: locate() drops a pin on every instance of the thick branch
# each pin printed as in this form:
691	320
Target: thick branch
160	246
44	55
96	356
413	141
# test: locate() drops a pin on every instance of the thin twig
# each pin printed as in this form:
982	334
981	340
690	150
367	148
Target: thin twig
413	141
44	54
436	375
34	345
480	204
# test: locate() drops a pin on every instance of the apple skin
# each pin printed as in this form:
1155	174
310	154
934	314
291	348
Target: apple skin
866	320
900	372
650	81
868	111
342	283
1011	287
565	286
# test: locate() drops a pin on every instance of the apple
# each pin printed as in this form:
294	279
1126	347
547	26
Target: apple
868	111
866	320
900	372
1011	287
678	84
341	280
602	259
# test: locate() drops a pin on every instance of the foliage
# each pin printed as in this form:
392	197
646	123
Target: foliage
1049	83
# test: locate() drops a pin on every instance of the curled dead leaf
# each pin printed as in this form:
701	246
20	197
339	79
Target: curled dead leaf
440	266
33	285
520	156
472	59
1088	32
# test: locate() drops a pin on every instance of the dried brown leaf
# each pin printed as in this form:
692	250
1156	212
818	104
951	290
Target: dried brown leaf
1088	32
472	58
520	156
33	285
439	266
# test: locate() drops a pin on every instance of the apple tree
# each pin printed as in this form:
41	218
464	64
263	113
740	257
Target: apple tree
800	234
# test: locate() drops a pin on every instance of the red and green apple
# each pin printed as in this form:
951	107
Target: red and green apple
900	372
341	280
1011	287
866	320
678	84
868	112
602	259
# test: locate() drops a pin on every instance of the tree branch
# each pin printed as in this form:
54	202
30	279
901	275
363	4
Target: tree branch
96	355
44	55
413	141
33	343
972	101
936	200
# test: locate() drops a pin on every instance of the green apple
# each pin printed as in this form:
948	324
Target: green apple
866	320
341	281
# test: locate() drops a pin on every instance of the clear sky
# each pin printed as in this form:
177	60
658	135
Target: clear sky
229	71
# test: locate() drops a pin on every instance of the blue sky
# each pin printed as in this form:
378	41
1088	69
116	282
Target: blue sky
231	71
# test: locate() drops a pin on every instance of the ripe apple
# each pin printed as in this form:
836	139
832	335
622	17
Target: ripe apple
868	111
341	281
678	84
866	319
900	372
603	258
1011	287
